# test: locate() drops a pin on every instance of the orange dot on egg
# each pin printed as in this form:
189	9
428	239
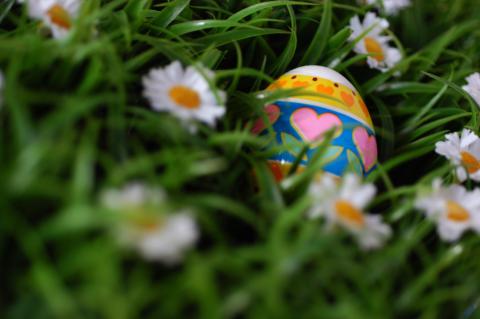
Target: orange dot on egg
277	85
364	108
298	84
347	98
324	89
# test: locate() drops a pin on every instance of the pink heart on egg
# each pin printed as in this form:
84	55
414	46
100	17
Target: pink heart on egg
311	126
367	147
273	113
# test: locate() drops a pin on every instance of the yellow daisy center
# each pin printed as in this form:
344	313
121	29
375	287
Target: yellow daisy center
456	212
374	47
144	220
147	225
59	16
349	213
471	163
184	96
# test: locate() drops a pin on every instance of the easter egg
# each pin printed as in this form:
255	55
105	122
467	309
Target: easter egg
326	103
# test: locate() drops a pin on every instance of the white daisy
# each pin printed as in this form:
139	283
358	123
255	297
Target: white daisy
144	225
343	203
58	15
382	56
184	93
453	208
390	7
473	87
463	150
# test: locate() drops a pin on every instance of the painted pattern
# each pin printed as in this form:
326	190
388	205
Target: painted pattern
308	117
325	92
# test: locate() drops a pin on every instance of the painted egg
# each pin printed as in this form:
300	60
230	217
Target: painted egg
328	103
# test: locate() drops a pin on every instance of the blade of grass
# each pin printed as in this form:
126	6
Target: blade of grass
320	39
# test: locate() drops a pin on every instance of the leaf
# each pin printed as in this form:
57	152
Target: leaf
437	123
170	13
134	9
378	80
286	57
473	105
268	186
432	52
5	9
338	39
319	41
198	25
223	38
354	163
261	6
331	154
386	126
293	145
413	121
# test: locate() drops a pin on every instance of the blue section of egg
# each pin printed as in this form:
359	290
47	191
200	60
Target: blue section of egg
345	140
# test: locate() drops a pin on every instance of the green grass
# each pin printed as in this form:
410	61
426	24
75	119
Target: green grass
74	122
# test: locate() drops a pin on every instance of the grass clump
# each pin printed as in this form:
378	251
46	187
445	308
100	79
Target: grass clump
74	122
